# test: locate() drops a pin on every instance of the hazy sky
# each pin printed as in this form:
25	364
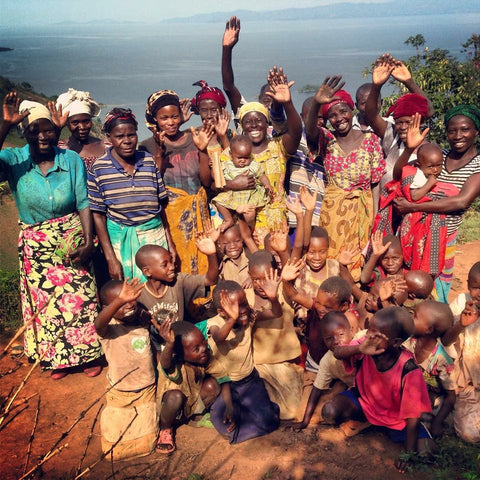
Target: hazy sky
32	12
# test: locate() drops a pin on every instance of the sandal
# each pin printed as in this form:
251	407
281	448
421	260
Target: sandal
58	374
92	371
165	438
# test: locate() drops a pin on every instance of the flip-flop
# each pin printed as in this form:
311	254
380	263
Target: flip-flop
165	437
92	371
58	374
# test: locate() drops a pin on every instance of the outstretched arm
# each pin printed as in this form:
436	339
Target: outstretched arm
11	117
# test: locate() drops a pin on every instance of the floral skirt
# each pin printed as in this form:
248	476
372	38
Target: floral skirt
59	291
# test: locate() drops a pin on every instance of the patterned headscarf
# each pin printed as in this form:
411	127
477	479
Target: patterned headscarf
78	102
470	111
408	105
344	97
155	102
253	107
117	116
206	92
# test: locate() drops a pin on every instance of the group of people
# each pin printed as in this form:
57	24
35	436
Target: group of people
251	273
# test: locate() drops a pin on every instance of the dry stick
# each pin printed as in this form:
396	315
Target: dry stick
12	418
42	461
104	455
11	370
90	436
32	436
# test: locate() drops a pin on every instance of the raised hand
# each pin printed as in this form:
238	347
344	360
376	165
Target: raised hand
382	69
414	137
470	314
212	232
294	205
59	117
401	73
165	330
131	290
232	32
185	109
205	244
270	283
159	137
372	344
328	89
279	238
309	200
292	269
279	86
348	255
11	104
222	122
202	136
229	306
385	290
378	248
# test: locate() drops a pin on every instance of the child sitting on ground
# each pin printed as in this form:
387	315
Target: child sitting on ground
168	294
465	337
419	288
184	387
390	390
130	412
432	319
230	338
243	202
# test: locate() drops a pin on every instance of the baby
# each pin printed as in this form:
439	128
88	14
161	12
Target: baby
244	202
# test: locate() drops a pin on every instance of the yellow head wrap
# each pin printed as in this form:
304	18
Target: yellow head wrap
253	107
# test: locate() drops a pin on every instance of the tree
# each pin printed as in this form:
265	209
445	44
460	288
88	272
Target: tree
417	41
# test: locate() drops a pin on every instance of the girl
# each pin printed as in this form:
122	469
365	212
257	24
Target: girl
230	338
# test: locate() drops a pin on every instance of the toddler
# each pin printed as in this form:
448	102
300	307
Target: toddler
419	288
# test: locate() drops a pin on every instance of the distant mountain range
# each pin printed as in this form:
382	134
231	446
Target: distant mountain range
342	10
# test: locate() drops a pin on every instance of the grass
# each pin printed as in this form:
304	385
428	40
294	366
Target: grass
469	231
10	309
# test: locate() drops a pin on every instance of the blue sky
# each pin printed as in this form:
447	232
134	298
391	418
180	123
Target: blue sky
32	12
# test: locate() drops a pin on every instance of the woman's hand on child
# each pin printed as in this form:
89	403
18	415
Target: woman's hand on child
229	306
279	86
414	136
205	244
185	104
292	269
270	283
372	342
309	200
202	136
294	205
59	117
347	255
378	248
328	89
382	69
232	32
470	314
222	122
131	290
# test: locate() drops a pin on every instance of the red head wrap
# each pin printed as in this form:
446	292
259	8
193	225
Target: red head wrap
206	92
407	105
343	97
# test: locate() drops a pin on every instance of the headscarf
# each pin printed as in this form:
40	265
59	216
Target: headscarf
253	107
408	105
117	116
470	111
155	102
344	97
78	102
207	93
36	112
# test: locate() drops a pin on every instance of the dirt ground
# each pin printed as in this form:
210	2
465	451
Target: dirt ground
317	453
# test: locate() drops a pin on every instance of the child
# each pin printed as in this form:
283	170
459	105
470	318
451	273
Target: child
168	294
419	288
335	330
125	341
465	337
275	344
230	338
184	388
234	264
389	387
432	319
244	202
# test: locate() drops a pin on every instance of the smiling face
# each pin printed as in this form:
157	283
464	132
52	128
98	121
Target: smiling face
169	119
231	243
327	302
335	334
317	252
461	133
124	140
195	348
41	136
254	125
80	126
340	117
159	266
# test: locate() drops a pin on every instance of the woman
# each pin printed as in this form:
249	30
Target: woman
354	163
183	159
126	193
270	153
57	289
75	109
461	168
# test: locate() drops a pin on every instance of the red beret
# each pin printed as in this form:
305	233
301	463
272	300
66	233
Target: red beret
408	105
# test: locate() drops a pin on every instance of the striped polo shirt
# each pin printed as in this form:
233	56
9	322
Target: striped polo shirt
126	199
458	178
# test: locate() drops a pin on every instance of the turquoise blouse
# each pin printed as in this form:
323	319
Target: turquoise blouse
40	197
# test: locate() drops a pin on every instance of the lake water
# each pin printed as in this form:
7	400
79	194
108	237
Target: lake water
122	64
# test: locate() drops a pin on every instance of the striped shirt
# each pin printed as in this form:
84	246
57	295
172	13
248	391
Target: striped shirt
458	177
126	199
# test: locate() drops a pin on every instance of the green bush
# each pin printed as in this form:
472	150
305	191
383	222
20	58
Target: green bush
10	308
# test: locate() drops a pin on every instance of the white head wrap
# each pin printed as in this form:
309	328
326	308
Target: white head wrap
78	102
37	111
